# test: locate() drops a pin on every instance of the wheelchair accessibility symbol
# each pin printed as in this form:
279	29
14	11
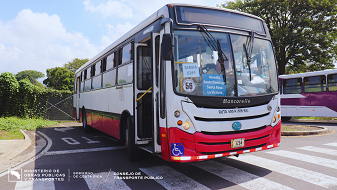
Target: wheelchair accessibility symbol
177	149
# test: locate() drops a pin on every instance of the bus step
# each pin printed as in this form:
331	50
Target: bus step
147	147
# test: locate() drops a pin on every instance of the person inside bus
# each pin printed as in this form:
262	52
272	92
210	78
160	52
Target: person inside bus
211	69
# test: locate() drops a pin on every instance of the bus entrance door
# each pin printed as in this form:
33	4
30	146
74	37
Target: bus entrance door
143	95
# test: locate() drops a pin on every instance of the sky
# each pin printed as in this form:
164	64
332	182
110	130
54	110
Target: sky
39	34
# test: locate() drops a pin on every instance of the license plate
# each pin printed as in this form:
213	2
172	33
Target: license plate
236	143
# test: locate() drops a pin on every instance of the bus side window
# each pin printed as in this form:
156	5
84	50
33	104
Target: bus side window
126	52
314	84
87	82
109	78
125	74
332	82
110	61
280	86
292	86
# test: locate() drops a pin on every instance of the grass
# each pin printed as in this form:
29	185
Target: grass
316	118
288	128
10	126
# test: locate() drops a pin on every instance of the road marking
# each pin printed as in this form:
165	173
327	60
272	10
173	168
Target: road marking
319	150
331	144
36	185
306	158
105	180
89	141
293	171
70	140
64	129
83	150
172	179
239	177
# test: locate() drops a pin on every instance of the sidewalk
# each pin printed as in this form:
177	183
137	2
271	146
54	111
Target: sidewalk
11	148
15	152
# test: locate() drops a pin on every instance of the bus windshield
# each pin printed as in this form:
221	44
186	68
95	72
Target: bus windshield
198	71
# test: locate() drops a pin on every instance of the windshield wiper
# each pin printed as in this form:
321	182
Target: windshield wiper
248	50
214	45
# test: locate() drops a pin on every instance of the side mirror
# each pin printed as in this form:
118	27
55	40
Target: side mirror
166	47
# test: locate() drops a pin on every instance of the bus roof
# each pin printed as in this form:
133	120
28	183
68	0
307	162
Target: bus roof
162	12
315	73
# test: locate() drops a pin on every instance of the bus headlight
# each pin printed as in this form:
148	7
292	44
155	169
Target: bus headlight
177	113
187	125
274	118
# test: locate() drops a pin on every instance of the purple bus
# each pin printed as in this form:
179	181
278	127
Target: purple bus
309	94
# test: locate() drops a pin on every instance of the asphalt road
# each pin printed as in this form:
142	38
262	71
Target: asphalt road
73	159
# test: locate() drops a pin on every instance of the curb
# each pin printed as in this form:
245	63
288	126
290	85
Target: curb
321	131
18	149
21	160
313	120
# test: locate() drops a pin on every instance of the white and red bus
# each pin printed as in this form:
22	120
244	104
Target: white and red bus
188	83
309	94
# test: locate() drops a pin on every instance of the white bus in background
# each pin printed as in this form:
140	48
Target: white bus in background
309	94
188	83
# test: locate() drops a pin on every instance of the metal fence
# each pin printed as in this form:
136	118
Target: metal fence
59	108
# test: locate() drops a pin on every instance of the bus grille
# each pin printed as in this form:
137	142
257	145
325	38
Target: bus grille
233	132
246	148
230	119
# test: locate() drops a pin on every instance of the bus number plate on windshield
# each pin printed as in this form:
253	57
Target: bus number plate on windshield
236	143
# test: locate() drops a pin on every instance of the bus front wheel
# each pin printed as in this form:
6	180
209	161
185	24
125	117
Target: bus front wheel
133	150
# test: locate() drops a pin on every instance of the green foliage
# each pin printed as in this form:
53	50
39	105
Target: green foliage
10	126
304	33
22	98
31	75
75	64
60	78
38	84
8	91
13	123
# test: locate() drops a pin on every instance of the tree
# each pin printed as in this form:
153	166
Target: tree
60	78
31	75
303	32
75	64
8	89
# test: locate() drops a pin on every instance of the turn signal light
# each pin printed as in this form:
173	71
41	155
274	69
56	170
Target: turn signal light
179	122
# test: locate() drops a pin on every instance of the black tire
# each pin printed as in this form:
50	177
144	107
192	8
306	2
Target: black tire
86	127
285	118
133	150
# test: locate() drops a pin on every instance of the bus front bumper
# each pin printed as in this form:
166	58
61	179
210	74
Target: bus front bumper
185	147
